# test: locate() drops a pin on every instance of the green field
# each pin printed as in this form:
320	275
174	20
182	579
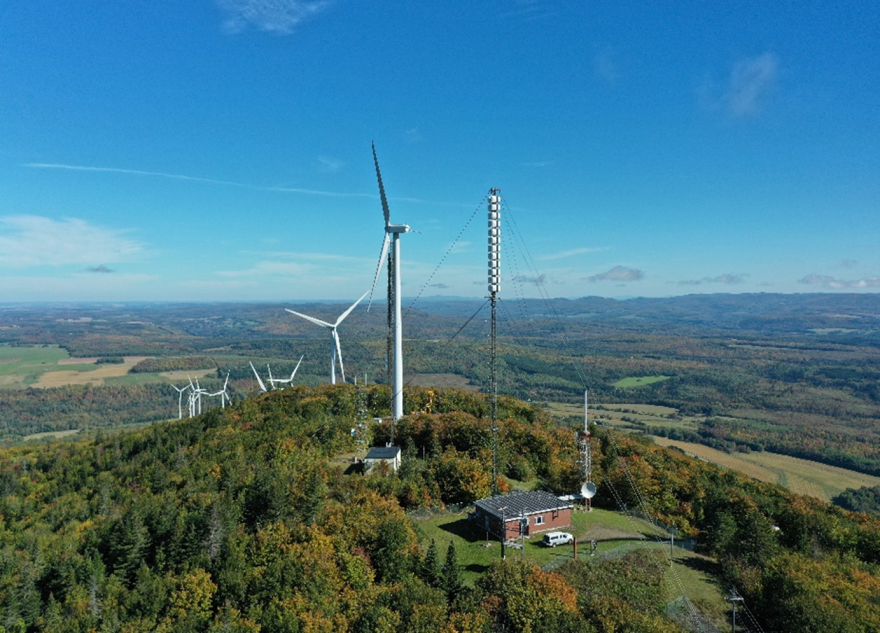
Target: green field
23	366
51	435
638	381
801	476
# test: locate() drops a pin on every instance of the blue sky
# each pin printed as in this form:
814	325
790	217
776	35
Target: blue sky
220	149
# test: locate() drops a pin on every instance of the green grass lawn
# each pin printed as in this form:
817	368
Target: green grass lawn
691	574
612	531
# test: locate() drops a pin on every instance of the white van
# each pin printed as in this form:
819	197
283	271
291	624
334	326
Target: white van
552	539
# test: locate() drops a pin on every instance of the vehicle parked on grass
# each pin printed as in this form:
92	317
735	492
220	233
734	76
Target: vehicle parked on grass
552	539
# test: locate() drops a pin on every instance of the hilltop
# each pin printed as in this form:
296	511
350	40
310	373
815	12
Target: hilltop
246	519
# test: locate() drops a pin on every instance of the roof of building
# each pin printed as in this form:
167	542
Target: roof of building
383	452
520	503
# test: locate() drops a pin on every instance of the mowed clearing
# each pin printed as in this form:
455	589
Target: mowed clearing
801	476
94	377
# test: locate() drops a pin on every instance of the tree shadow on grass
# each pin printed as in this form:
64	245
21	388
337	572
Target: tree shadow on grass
706	566
477	568
464	529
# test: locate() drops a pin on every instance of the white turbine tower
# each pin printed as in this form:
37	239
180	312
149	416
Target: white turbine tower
180	400
394	312
334	335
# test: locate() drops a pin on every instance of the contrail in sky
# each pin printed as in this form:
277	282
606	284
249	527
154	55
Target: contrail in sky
229	183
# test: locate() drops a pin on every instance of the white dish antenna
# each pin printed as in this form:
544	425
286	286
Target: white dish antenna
588	490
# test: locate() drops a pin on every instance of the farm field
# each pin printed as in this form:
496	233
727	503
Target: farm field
624	416
638	381
801	476
615	533
92	376
22	366
51	435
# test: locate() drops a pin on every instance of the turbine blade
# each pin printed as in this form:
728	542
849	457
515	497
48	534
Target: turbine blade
312	319
385	209
339	352
382	257
297	367
259	380
271	382
226	382
347	312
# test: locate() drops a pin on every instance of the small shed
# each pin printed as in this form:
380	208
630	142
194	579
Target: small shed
536	511
388	454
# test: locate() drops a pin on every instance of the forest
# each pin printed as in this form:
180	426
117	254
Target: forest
242	520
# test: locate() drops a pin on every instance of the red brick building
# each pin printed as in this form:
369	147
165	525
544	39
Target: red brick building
537	511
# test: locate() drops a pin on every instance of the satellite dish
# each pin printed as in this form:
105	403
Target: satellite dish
588	490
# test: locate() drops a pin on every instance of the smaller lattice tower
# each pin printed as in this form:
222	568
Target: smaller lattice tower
585	457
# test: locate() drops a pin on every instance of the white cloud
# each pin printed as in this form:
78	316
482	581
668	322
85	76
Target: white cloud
750	81
273	16
27	240
413	135
83	286
537	280
826	281
728	279
330	165
571	253
618	273
745	90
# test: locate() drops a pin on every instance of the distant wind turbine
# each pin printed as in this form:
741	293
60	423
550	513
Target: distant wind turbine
224	396
394	312
336	347
180	400
285	381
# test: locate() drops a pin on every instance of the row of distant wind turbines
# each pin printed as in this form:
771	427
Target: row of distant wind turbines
395	326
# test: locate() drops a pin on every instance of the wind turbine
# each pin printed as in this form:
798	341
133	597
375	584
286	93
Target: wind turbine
286	381
394	313
337	348
195	398
180	400
222	393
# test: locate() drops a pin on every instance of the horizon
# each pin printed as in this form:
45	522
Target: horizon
432	298
220	151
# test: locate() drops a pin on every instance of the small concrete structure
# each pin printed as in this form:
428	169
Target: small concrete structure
388	454
532	512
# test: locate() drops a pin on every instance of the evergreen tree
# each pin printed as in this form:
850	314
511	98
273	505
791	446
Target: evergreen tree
452	580
432	571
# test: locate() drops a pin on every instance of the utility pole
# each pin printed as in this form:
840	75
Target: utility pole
733	598
494	286
503	531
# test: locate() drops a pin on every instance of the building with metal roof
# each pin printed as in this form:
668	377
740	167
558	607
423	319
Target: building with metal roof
521	513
